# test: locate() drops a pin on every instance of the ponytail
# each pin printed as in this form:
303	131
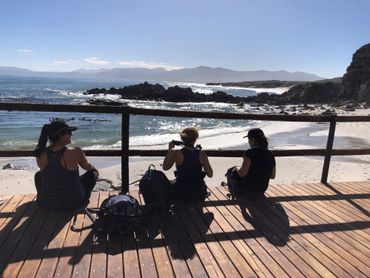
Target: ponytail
262	142
43	139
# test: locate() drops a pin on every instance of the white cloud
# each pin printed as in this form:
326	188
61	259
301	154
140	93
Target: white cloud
67	62
96	61
61	62
25	50
149	65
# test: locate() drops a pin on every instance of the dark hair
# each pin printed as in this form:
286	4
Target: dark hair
51	131
259	137
43	139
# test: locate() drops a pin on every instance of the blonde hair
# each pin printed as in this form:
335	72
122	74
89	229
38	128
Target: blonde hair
189	134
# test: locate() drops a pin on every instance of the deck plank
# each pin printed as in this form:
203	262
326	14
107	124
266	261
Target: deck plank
99	249
347	213
319	229
161	258
276	228
210	263
310	230
323	214
115	255
82	259
319	245
218	252
252	264
29	236
54	248
146	256
68	254
12	213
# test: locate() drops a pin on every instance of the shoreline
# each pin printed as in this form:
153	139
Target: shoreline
282	135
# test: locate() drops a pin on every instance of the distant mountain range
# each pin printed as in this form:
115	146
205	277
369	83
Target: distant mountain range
198	74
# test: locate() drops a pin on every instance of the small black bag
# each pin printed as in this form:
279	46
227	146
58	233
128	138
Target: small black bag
118	214
156	188
233	180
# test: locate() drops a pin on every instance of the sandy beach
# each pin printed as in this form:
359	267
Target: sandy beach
290	170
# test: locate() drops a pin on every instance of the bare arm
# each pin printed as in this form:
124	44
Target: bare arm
82	160
243	170
41	161
170	158
205	163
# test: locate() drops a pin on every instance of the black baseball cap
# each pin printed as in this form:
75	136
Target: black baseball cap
58	126
255	133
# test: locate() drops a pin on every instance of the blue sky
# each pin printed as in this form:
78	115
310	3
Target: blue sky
314	36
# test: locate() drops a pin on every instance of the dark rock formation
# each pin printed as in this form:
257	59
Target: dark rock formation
354	86
364	93
146	91
358	73
320	92
95	101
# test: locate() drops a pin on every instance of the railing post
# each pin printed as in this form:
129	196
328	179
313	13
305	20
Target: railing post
125	149
329	148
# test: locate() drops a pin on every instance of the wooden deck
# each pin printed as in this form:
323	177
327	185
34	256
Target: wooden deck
300	230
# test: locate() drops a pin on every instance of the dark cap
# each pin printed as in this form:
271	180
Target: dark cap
58	126
255	133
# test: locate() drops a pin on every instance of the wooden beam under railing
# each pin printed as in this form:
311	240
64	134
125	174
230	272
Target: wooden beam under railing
211	153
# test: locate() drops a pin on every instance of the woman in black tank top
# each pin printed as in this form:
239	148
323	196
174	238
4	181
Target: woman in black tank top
192	165
58	183
258	167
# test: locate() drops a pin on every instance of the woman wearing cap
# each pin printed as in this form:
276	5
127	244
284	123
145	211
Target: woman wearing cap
58	183
258	167
190	162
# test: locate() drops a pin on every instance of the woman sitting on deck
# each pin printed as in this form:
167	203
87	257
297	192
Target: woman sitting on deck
190	162
58	183
258	167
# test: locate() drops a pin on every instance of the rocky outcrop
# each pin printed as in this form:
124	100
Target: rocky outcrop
146	91
364	93
354	86
358	73
320	92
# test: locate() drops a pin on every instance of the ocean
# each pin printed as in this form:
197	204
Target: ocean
20	130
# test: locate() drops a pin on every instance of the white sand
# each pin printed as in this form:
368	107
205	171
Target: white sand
289	169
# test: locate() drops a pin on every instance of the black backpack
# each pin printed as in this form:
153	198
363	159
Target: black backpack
118	214
156	188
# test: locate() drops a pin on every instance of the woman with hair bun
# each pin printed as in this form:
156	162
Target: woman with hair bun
192	165
58	183
258	167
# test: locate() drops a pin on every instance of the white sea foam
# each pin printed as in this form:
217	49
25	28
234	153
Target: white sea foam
278	90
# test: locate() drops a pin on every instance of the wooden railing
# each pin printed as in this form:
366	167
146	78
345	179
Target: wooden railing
126	111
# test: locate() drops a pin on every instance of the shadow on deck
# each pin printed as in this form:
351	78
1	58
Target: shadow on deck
297	230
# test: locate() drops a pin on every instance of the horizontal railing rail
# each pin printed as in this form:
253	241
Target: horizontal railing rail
125	152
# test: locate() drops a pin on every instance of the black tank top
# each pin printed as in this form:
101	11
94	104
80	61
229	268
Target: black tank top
60	188
189	177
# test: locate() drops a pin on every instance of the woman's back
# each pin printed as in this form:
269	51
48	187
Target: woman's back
189	176
60	187
258	176
191	168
